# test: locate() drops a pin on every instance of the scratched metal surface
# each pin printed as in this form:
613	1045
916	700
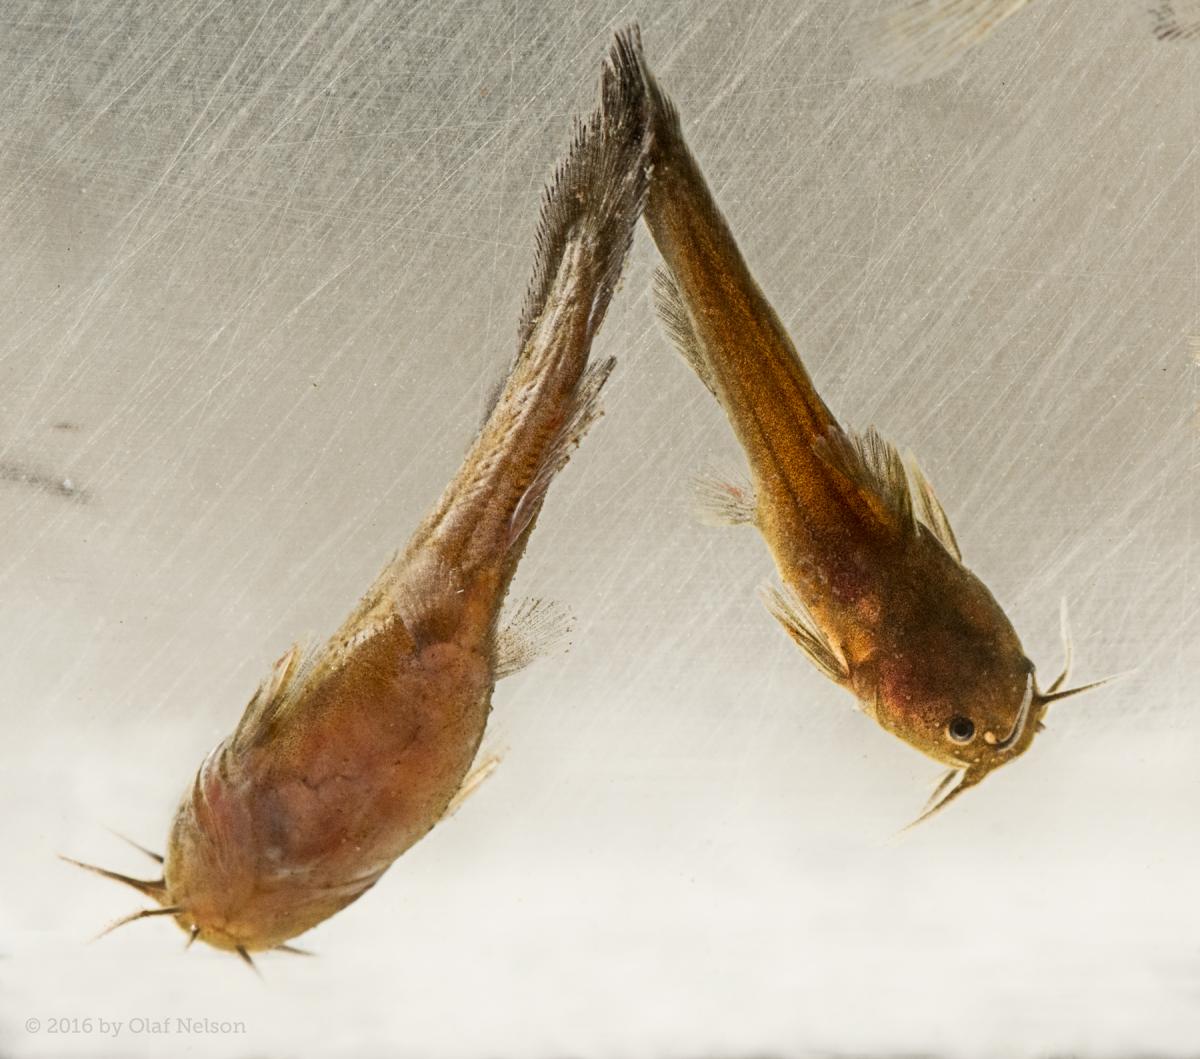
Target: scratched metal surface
262	264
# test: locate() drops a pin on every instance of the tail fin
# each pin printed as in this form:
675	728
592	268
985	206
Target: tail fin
598	191
589	211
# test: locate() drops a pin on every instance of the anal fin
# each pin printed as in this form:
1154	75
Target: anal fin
677	322
585	411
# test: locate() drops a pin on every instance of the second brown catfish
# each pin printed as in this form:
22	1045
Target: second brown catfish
876	592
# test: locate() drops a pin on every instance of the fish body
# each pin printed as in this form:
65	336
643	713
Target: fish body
349	754
287	824
875	589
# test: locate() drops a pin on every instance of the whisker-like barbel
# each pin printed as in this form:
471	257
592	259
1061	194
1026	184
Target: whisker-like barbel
133	917
155	888
1058	696
1018	728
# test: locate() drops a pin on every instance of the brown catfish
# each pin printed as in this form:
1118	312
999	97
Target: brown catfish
875	589
349	754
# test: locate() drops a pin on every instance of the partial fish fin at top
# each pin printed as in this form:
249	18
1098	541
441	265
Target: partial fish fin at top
536	628
677	322
720	501
930	512
913	40
791	613
1176	20
472	783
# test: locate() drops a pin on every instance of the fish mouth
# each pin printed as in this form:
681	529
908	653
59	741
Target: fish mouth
1019	724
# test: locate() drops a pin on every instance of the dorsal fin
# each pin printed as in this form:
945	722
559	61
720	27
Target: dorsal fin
881	470
273	694
904	491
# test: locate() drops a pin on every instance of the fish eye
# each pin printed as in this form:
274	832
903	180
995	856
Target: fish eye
961	729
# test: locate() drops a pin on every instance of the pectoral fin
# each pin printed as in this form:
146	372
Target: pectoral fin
536	627
273	695
472	783
791	613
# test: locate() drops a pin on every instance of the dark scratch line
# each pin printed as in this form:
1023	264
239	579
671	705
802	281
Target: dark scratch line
53	485
1169	26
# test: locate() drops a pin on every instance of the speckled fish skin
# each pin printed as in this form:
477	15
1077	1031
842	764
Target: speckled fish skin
877	592
347	756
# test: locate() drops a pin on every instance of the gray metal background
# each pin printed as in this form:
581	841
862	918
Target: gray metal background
261	265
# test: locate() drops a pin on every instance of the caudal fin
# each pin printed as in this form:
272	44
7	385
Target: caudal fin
589	211
597	192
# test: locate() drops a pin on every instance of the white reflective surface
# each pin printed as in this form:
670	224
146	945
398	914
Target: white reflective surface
262	264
